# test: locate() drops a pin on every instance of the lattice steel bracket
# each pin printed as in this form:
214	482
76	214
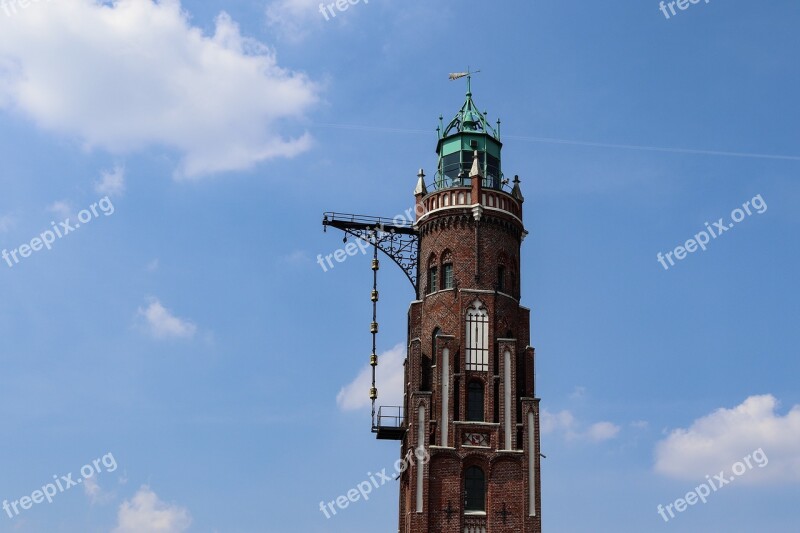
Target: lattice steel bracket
399	242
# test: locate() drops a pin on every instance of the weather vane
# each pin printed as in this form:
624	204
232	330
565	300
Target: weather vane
459	75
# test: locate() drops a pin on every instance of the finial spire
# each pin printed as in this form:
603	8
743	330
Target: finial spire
468	118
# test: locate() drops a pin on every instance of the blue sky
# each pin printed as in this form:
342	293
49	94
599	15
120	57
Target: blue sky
189	333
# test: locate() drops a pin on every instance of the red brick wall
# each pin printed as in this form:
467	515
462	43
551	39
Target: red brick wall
476	249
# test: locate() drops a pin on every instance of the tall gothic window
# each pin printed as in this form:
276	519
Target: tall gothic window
475	401
475	490
477	337
447	276
447	270
433	274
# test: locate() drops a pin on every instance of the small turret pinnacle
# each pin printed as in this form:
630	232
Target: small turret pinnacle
420	188
516	192
476	166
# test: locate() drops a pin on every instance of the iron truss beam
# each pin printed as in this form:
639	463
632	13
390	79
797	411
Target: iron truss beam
399	242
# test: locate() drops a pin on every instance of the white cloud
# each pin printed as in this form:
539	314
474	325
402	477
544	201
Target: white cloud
91	488
565	424
293	18
112	182
390	372
61	208
715	442
146	512
6	223
94	492
602	431
297	258
578	394
132	74
162	324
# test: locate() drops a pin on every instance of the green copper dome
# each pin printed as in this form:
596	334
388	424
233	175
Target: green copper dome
468	132
469	119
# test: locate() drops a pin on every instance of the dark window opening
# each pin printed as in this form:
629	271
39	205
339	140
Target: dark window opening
493	170
496	417
451	169
427	372
475	405
474	489
501	278
468	156
456	400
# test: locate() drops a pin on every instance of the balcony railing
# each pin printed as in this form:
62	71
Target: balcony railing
475	524
390	424
443	180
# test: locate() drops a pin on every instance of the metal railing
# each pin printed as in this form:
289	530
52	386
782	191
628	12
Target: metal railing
390	416
443	181
332	218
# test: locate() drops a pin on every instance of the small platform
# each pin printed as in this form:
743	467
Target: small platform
390	424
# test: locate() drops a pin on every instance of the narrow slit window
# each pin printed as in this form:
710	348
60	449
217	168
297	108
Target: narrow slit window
474	490
475	401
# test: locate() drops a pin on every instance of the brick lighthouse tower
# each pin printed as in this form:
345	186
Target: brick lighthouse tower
470	407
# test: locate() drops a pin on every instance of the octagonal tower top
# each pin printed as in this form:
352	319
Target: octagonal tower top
469	132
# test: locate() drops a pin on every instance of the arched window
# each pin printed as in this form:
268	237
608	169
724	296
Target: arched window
475	490
475	401
447	270
433	275
477	337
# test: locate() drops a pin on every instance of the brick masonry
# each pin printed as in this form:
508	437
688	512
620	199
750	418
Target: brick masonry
476	239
